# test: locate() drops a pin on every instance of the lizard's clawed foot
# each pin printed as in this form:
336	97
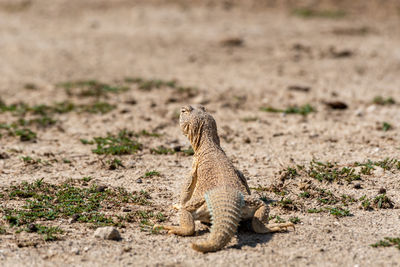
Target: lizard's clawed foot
263	228
175	230
279	227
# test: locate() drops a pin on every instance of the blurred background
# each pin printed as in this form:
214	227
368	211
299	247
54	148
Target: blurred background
214	44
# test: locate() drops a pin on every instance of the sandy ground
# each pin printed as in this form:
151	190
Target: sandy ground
350	59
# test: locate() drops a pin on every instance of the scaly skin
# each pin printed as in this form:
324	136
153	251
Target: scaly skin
215	191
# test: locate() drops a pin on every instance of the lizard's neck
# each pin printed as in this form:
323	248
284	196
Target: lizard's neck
204	141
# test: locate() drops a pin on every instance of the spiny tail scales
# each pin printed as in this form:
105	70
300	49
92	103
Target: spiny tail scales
224	204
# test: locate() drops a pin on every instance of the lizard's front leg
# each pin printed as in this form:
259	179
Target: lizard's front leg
186	225
188	187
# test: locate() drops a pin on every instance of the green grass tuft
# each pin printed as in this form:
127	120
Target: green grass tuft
302	110
120	144
314	13
152	174
91	88
379	100
386	126
162	150
41	201
388	242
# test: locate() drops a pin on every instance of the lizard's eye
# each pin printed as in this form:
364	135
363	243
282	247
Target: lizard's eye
186	109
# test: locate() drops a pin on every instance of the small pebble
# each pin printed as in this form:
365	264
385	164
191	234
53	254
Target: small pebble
107	233
382	190
357	186
32	227
139	181
101	188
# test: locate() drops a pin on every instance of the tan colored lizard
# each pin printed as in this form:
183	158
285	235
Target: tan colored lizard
215	191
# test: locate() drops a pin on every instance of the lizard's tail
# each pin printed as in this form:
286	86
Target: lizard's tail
224	205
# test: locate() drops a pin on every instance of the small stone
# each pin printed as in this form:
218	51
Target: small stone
74	218
107	233
32	228
126	210
371	108
177	148
4	155
232	42
139	181
336	105
299	88
359	112
75	251
131	102
382	190
127	249
101	188
357	186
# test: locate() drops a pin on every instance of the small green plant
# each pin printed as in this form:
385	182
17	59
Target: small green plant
114	164
279	219
290	173
86	142
366	203
152	174
295	220
29	160
87	178
315	13
91	88
98	107
150	84
388	164
386	126
302	110
43	121
382	202
49	232
146	133
25	134
331	172
305	194
147	220
339	212
2	230
162	150
120	144
388	242
315	210
379	100
188	152
249	119
42	202
286	203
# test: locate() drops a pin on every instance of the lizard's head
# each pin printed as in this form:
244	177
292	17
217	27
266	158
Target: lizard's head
197	125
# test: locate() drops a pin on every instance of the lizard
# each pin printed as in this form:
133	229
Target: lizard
215	191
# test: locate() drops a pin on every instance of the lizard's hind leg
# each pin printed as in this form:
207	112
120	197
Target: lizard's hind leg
259	220
186	225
